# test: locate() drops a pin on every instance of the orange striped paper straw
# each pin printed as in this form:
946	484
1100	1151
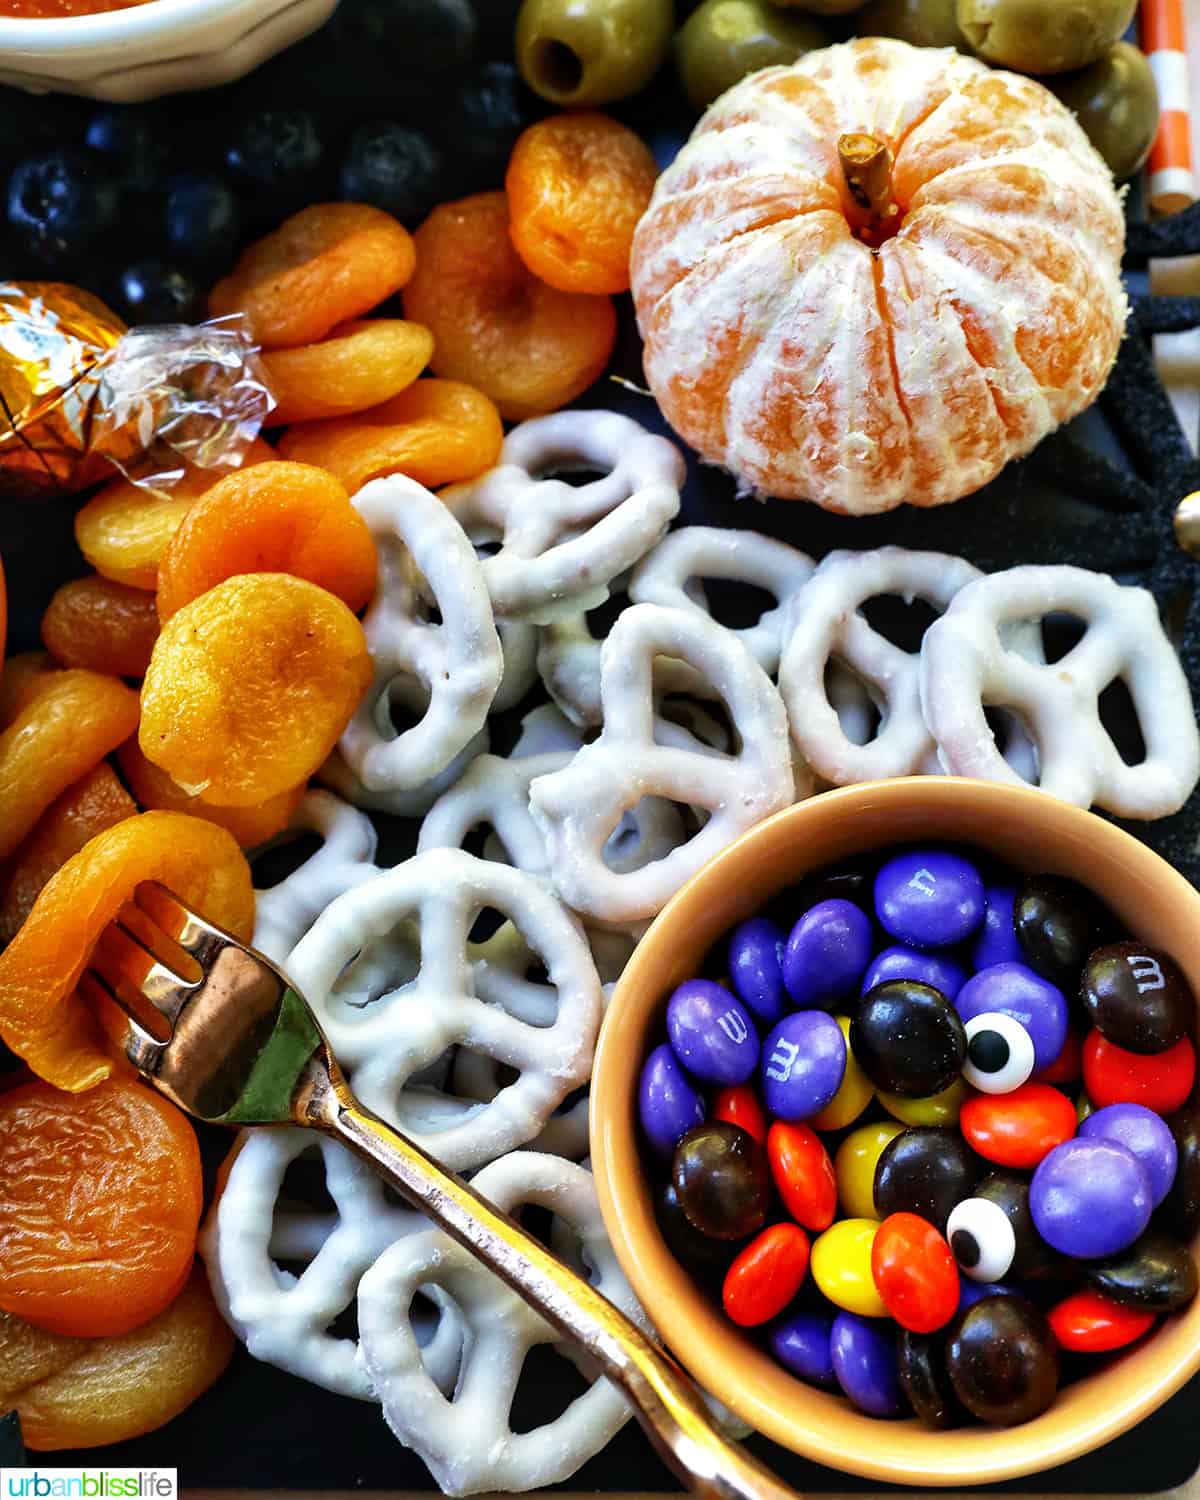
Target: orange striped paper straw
1172	183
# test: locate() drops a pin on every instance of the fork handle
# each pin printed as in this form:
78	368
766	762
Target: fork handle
664	1399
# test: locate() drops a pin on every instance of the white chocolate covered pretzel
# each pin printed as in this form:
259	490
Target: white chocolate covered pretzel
424	557
578	808
467	1441
967	665
561	544
253	1237
390	974
284	912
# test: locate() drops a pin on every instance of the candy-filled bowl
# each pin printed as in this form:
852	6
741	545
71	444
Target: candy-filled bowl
1021	828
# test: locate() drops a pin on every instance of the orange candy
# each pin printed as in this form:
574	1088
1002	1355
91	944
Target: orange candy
274	518
42	1019
324	265
577	185
250	686
251	826
69	725
358	365
914	1272
96	802
529	347
85	1393
105	626
102	1200
1019	1128
437	432
803	1174
124	528
766	1275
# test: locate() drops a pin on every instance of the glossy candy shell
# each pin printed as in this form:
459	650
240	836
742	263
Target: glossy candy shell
921	1367
856	1164
1137	997
1157	1273
864	1360
841	1267
925	1170
931	898
908	1039
1090	1198
721	1180
1018	1129
739	1105
1162	1083
1003	1360
1089	1323
854	1093
803	1174
766	1275
800	1342
914	1273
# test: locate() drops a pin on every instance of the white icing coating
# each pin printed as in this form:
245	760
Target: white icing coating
423	553
966	664
467	1441
579	807
561	544
391	976
284	1318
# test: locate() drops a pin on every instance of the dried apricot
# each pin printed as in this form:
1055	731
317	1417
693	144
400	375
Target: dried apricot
71	724
23	678
528	346
3	610
437	432
251	826
125	527
358	365
250	686
42	1019
96	801
275	518
105	626
102	1201
577	185
328	263
86	1393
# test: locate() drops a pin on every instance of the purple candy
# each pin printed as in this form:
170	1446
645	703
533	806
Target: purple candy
803	1063
756	968
1015	990
801	1344
996	941
970	1292
1144	1133
668	1105
827	953
929	898
937	969
1090	1198
864	1360
712	1033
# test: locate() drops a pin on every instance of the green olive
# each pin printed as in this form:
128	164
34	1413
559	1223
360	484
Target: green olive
824	7
723	40
1043	36
581	53
1116	102
924	23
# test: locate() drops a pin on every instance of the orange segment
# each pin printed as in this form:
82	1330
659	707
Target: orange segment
358	365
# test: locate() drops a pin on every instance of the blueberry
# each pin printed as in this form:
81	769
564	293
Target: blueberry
276	149
150	292
415	36
62	203
488	113
136	149
30	123
200	218
394	168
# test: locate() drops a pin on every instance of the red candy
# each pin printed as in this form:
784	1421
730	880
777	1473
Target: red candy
739	1106
1093	1324
915	1273
766	1275
1068	1065
1113	1075
803	1175
1018	1129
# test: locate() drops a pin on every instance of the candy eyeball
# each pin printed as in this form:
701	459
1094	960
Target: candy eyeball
982	1239
1000	1053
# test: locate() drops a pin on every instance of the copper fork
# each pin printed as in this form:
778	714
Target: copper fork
220	1030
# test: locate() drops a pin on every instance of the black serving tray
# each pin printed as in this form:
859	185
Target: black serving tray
1100	493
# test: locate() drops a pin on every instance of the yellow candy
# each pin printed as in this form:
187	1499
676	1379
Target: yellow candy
841	1267
854	1166
938	1109
1083	1108
854	1093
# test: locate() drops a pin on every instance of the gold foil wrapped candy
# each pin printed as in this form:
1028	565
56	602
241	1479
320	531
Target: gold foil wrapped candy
82	395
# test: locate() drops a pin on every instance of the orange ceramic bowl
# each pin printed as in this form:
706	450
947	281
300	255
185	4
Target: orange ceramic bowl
1029	830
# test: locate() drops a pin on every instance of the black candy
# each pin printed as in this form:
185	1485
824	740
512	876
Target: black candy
908	1039
1058	922
707	1259
921	1366
1033	1259
722	1180
1181	1207
1157	1274
1003	1360
1136	997
925	1170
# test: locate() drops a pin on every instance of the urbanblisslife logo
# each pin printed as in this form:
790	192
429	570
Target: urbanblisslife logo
89	1484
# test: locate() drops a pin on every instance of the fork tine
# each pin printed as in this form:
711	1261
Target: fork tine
126	965
143	1049
191	932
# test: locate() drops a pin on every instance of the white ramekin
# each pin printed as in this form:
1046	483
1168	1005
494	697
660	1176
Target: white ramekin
161	47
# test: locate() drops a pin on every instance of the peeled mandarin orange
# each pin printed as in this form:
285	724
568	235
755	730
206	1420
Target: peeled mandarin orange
877	275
